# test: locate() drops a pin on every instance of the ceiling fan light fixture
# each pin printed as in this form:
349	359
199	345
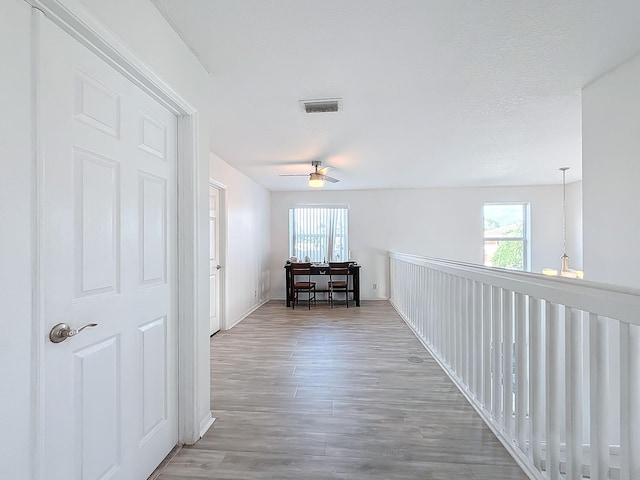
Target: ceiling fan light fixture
316	180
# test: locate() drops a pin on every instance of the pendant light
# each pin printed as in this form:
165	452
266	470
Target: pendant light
565	271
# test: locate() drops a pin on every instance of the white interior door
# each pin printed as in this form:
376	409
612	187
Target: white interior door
108	205
214	260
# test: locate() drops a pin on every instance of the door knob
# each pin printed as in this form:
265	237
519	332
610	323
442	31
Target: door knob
218	267
62	331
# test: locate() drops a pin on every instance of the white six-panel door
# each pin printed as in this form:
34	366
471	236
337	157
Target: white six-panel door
108	216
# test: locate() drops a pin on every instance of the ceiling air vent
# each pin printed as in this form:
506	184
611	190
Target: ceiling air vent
324	105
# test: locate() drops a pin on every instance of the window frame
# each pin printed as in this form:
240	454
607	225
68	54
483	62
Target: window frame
525	238
344	237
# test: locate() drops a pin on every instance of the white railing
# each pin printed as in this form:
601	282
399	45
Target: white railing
571	407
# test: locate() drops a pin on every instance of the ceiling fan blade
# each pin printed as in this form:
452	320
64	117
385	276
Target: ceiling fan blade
294	174
330	179
326	169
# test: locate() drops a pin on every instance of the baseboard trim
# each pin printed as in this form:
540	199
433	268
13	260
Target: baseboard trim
205	424
246	314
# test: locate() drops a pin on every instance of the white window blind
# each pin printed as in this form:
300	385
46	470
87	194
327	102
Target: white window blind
319	232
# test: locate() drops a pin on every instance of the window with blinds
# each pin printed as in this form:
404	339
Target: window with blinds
319	233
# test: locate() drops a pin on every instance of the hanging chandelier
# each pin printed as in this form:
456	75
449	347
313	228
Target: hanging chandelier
565	271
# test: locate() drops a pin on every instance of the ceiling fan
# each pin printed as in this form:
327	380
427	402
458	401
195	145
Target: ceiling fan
317	177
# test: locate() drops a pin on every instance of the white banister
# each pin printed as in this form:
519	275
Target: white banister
546	361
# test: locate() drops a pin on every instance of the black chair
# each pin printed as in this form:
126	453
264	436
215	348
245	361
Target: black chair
339	280
303	271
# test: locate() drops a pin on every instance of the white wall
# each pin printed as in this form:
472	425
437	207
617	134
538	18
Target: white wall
611	176
16	168
165	54
444	223
246	268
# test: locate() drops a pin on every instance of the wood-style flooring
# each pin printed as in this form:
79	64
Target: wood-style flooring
335	394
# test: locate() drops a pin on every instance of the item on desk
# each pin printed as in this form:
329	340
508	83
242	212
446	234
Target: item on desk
294	259
306	259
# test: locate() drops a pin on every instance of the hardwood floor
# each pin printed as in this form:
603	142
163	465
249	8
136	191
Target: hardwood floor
335	394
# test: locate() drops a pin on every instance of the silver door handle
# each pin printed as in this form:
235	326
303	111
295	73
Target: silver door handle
62	331
218	267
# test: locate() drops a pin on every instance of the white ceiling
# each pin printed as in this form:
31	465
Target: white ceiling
435	93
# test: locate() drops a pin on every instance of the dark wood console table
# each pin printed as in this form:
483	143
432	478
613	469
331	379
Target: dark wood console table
354	271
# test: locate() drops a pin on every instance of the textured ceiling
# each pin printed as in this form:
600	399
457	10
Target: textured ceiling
435	93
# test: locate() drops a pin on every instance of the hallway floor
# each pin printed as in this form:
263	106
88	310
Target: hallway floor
335	394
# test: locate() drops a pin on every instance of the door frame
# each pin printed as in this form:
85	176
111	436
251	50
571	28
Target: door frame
222	239
77	21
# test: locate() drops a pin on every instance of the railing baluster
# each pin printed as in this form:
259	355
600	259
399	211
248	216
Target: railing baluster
574	397
468	328
536	374
414	297
599	386
438	315
446	311
629	402
507	361
429	312
464	350
423	302
422	296
434	309
436	305
462	334
449	325
486	350
634	401
476	322
522	394
443	317
553	390
454	331
496	337
625	406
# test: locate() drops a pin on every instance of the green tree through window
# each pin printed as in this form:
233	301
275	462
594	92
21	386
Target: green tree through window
509	254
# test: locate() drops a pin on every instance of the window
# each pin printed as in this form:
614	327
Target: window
506	235
319	233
